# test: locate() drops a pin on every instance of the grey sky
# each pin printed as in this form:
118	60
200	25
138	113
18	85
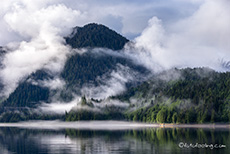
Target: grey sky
127	17
165	34
131	17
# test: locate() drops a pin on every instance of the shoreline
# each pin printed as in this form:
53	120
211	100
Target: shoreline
106	125
195	126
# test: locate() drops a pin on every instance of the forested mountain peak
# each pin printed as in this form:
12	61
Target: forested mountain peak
189	95
96	35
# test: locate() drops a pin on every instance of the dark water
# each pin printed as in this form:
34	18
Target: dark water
143	141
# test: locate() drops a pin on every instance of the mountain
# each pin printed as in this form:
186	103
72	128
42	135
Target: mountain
95	65
96	35
80	69
198	95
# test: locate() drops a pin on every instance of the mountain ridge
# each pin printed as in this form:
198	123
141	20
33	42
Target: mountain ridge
80	69
96	35
197	95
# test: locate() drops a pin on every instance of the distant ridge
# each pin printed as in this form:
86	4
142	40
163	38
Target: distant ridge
96	35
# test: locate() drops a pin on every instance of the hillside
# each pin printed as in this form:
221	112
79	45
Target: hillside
198	95
85	68
79	70
28	94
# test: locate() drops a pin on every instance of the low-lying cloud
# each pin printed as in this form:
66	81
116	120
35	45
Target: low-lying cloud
57	107
201	40
43	28
38	28
112	83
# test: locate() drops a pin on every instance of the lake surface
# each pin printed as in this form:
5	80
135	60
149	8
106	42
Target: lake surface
114	138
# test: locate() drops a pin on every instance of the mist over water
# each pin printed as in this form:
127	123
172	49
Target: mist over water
33	35
142	140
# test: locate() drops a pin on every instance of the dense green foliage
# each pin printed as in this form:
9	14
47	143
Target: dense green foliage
87	67
40	75
95	35
198	96
188	95
27	95
89	112
23	115
91	115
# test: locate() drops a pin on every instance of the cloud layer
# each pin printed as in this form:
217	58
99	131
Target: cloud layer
178	33
200	40
43	27
126	17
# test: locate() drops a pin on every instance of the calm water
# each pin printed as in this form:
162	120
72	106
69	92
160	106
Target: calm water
138	141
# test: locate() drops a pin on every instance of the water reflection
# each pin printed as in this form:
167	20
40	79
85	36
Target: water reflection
143	141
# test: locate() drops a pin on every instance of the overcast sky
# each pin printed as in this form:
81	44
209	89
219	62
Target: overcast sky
125	16
165	33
